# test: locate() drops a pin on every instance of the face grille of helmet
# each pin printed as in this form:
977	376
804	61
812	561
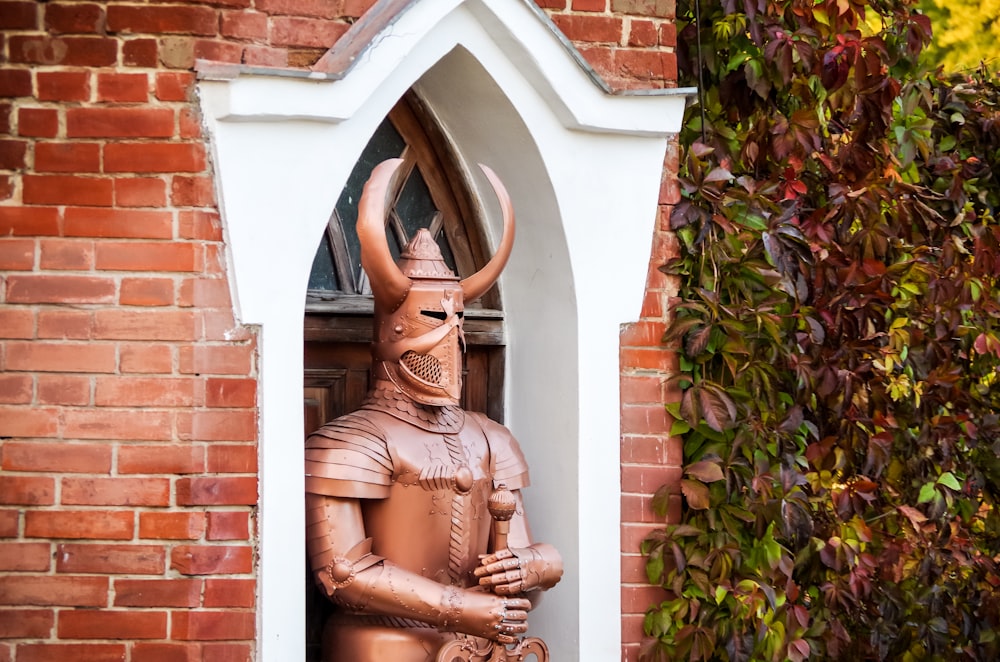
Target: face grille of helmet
422	366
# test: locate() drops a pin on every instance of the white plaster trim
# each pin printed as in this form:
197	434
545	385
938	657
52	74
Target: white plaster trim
583	168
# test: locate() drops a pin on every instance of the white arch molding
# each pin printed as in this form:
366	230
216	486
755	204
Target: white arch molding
583	167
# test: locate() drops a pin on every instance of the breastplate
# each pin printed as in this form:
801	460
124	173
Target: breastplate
434	521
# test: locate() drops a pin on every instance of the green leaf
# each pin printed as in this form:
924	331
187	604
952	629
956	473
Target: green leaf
927	493
948	480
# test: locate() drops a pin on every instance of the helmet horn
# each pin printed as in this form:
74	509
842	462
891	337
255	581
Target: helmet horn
389	284
476	285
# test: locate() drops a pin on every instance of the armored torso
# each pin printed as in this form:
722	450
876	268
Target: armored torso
423	475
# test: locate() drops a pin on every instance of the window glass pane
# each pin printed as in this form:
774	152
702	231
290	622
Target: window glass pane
323	277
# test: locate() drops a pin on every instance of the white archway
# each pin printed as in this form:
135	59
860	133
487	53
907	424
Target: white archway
583	167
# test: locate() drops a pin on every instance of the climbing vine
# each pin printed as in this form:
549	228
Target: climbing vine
839	343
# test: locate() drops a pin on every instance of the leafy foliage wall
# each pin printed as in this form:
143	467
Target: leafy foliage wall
839	342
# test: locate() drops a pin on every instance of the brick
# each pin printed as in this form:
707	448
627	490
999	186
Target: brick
638	508
154	157
227	652
60	357
230	593
140	192
643	388
217	50
591	29
119	123
73	157
66	51
246	25
174	85
356	8
15	83
25	557
118	223
140	53
63	390
146	292
297	31
217	359
199	224
58	457
64	591
642	34
192	191
16	390
17	254
12	154
26	623
70	324
212	560
668	37
232	458
37	123
205	293
644	450
107	423
645	419
146	358
21	421
646	479
30	288
265	56
26	490
172	526
212	625
125	324
172	592
115	491
632	535
217	491
103	558
313	8
654	8
75	17
161	459
76	652
29	221
63	86
637	599
135	256
189	122
589	5
177	52
123	88
217	425
645	359
163	20
219	325
129	624
172	652
18	15
9	522
6	186
67	190
220	392
146	391
66	254
228	525
89	524
16	323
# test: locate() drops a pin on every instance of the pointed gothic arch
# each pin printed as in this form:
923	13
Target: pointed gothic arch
575	159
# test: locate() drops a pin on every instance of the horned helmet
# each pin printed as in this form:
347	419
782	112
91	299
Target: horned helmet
420	302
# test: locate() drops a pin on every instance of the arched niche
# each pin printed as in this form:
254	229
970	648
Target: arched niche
583	167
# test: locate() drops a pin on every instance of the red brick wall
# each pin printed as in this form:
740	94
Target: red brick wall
128	477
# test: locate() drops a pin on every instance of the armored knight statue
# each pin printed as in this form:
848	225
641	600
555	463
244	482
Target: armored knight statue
399	533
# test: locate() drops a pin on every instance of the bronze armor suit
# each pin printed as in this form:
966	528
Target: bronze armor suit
399	535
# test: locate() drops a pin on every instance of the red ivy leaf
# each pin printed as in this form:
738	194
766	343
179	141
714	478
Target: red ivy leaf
696	494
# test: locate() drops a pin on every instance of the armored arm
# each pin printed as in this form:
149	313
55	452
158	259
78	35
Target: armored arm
351	575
